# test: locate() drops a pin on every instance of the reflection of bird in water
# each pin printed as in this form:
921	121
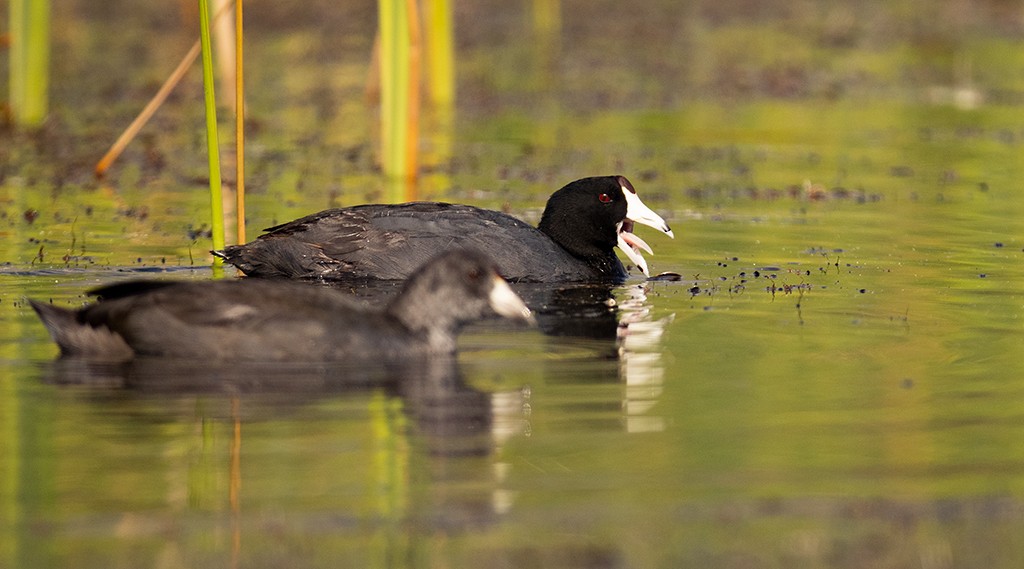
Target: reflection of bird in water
643	372
447	438
612	323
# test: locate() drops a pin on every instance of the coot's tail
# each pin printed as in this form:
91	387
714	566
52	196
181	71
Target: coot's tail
277	258
78	338
232	254
238	256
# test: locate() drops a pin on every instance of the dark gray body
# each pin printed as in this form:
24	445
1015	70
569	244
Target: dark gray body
265	320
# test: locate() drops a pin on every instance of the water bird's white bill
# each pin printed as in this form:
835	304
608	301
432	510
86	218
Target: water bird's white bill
633	252
507	303
638	212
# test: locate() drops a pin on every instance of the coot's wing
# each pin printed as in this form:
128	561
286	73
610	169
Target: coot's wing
296	249
260	321
395	240
392	241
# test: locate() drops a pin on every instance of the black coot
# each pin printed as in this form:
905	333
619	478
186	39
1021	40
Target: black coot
582	224
256	320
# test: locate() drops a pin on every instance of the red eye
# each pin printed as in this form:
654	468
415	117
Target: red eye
605	198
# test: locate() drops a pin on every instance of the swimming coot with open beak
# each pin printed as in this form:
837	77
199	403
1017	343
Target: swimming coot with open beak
260	320
575	242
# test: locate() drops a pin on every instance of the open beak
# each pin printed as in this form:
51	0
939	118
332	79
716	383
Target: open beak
637	212
507	303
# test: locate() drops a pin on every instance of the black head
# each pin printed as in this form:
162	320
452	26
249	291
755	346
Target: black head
583	216
452	289
590	217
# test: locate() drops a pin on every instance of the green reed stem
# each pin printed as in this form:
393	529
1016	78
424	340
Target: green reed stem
30	61
212	144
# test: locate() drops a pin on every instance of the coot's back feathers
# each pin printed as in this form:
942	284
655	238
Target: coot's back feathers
388	242
259	320
581	225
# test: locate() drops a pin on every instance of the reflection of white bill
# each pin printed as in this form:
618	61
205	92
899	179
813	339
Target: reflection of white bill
510	412
641	368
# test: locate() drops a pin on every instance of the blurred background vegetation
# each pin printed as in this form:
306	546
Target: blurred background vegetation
694	99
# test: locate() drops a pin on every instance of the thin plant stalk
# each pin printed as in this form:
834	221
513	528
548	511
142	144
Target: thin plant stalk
239	126
372	92
212	144
440	48
387	52
223	32
150	109
412	122
235	484
29	61
394	85
147	112
547	15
